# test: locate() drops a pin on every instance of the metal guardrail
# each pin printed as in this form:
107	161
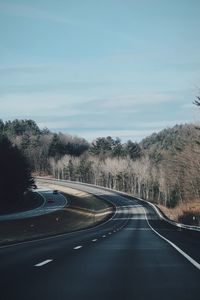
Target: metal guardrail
162	217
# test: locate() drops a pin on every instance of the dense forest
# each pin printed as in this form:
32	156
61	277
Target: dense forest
163	167
15	174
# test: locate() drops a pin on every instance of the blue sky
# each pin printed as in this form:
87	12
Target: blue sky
96	68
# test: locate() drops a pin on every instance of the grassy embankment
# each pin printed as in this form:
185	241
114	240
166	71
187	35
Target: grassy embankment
186	213
84	211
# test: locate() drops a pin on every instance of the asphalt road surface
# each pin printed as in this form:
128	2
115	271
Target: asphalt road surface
125	258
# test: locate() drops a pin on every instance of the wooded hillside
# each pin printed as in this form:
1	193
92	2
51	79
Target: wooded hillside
163	168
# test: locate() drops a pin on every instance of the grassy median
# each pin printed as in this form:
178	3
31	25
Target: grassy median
82	213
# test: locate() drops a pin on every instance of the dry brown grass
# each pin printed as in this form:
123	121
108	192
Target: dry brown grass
63	221
186	212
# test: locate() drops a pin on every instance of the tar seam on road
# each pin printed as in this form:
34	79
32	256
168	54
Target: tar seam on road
189	258
43	263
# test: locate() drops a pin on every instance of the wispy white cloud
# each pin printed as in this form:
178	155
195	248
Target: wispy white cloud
159	124
131	102
30	12
137	133
25	69
60	112
141	98
37	104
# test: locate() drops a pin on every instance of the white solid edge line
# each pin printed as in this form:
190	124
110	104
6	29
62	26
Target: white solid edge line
174	223
77	247
43	263
189	258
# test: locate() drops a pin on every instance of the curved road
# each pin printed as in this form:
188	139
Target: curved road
51	203
125	258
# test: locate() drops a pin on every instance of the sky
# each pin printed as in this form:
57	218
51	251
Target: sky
123	68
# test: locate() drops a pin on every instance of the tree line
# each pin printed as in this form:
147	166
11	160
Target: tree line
163	167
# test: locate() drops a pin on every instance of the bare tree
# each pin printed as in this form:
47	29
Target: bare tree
197	101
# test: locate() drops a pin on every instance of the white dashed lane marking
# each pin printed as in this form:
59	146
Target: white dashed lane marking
77	247
43	263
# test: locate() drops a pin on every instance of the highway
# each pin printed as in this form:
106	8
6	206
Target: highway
134	255
51	203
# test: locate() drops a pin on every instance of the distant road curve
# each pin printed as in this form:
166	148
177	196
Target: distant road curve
51	203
